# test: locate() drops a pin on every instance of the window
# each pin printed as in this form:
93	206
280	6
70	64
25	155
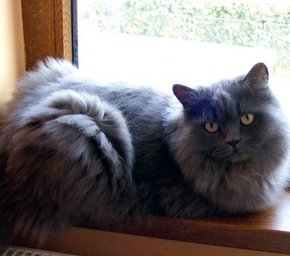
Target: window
269	231
160	43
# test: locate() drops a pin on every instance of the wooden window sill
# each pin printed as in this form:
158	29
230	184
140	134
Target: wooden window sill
268	231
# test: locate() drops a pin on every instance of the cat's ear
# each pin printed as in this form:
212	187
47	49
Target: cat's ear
257	76
184	94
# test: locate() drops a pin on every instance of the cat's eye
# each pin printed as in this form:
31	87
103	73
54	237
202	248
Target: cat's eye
247	119
211	127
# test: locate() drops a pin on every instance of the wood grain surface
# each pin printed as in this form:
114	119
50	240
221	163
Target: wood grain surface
267	231
47	30
90	242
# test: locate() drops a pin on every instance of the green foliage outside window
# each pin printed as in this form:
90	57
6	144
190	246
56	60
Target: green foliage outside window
243	23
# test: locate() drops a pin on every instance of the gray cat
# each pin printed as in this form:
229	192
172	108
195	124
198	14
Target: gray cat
72	149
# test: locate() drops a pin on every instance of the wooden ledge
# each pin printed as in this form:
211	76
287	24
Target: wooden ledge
268	231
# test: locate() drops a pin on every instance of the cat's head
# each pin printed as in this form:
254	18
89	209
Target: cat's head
234	120
230	141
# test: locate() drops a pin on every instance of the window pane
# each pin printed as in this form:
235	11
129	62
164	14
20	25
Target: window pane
182	41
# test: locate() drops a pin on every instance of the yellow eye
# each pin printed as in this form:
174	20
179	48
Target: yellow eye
211	127
247	119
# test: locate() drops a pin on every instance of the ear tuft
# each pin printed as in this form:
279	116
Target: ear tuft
184	94
257	76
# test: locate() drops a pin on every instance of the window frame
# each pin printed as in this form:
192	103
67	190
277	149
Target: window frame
47	26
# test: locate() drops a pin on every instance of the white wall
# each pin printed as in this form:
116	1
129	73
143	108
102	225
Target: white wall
12	60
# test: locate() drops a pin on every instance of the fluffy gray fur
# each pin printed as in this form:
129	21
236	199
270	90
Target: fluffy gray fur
72	149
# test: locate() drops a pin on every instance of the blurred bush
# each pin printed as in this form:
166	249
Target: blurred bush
244	23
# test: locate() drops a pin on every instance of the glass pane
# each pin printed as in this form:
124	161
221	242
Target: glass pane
159	42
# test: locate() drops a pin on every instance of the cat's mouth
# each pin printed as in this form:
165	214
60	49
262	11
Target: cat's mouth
228	154
238	157
223	152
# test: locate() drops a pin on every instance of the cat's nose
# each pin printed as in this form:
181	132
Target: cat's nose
233	142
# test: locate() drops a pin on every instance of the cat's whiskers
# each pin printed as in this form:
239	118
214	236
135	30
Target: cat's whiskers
251	172
222	152
251	144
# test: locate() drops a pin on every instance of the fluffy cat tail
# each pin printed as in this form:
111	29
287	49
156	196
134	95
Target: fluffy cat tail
46	72
70	159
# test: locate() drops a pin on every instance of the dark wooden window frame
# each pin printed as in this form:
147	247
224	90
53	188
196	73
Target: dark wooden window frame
47	26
